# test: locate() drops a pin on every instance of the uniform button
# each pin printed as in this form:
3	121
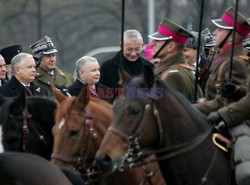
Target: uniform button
231	110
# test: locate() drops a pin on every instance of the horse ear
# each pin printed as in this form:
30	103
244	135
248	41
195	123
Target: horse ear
82	97
18	104
60	97
148	77
124	77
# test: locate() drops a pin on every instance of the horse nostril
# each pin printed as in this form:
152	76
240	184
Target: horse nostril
104	162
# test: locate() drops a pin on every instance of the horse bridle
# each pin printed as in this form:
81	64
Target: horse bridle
79	163
133	140
128	138
26	121
143	157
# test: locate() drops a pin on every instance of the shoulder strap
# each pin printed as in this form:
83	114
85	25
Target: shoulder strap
244	57
187	67
219	79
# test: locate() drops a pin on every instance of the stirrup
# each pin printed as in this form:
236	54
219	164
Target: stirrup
219	140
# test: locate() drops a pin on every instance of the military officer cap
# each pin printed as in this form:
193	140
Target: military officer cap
168	30
227	22
9	52
43	47
192	42
209	39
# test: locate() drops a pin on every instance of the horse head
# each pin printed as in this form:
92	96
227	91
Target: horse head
80	125
134	107
27	124
12	109
149	115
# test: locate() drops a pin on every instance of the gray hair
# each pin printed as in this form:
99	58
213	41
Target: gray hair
17	60
82	64
132	35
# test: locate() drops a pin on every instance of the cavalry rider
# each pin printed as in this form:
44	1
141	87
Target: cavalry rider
217	84
236	115
168	45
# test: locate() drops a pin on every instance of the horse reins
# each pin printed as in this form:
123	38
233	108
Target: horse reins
168	152
156	114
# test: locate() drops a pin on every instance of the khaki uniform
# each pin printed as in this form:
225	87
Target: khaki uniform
219	75
238	112
178	74
46	80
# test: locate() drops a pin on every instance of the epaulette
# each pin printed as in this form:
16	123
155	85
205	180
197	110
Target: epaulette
173	69
244	57
63	73
38	75
186	66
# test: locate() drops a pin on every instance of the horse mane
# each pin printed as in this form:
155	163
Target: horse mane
96	106
99	105
64	109
183	101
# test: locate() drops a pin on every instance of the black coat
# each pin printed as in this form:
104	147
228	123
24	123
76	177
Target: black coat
110	69
14	87
3	82
75	89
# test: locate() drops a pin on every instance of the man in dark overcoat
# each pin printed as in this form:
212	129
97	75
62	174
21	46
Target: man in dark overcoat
132	61
23	74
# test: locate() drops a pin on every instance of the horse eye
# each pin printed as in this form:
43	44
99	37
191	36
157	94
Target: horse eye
133	110
73	133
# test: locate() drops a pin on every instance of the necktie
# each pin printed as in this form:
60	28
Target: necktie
92	90
28	90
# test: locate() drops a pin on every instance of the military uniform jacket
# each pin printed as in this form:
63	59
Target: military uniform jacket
45	80
14	88
239	111
178	74
219	73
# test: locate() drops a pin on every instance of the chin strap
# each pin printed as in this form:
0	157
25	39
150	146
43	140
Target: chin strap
166	42
223	42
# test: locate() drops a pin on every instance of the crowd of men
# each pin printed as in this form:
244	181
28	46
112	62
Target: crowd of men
222	92
172	54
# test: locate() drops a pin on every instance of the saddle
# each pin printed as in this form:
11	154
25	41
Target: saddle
238	144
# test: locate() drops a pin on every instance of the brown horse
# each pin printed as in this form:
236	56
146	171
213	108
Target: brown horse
81	123
162	119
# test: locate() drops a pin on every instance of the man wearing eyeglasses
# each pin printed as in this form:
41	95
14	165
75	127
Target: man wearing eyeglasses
132	61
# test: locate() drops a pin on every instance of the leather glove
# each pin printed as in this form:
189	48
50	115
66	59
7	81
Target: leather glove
214	118
228	89
63	89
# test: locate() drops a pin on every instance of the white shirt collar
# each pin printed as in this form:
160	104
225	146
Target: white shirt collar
25	84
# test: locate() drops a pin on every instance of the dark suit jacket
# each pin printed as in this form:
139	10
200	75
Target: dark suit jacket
110	69
3	82
75	90
14	87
